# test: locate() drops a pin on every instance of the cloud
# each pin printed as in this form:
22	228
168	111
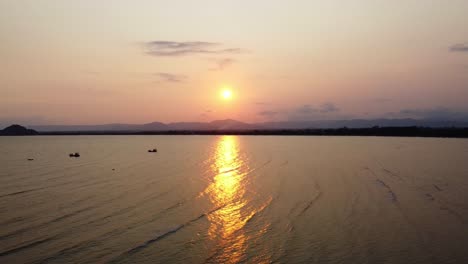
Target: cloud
206	113
174	48
434	113
262	103
268	114
172	78
222	64
328	108
461	47
324	108
306	109
303	112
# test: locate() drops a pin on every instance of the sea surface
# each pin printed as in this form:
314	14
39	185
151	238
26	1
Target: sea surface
233	199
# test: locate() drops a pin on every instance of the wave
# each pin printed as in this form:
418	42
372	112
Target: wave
21	192
26	246
162	236
58	219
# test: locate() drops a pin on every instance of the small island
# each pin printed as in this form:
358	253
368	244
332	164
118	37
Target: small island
17	130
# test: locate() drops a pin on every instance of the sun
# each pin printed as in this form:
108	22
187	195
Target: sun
226	94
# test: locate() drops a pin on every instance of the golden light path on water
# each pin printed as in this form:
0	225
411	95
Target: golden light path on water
228	192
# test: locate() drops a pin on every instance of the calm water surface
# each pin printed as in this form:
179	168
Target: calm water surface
231	199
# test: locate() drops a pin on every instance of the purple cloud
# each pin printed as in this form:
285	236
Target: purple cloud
461	47
172	78
174	48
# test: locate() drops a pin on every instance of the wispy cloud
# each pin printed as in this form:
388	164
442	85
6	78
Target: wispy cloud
324	108
262	103
174	48
268	114
206	113
461	47
328	108
222	64
306	109
170	77
303	112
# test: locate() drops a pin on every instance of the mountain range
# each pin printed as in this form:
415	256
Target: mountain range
230	124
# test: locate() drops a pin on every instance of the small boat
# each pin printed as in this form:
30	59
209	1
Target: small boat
30	159
152	150
74	155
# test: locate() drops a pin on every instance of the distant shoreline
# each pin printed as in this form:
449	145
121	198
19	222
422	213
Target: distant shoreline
446	132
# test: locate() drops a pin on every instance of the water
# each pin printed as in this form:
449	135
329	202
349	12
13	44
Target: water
230	199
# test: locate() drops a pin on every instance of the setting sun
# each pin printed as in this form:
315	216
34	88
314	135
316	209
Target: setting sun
304	131
226	93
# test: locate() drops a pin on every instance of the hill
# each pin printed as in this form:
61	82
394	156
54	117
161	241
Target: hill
230	124
17	130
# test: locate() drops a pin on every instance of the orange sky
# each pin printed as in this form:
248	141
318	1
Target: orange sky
90	62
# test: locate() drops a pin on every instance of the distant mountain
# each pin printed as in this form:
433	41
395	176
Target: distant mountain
17	130
191	126
230	124
155	126
227	124
365	123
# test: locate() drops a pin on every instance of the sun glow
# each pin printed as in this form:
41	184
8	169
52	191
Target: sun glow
226	94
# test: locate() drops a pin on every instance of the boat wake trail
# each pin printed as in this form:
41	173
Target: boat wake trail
310	203
161	236
393	196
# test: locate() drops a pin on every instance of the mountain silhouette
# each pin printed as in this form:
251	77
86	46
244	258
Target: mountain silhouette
17	130
231	124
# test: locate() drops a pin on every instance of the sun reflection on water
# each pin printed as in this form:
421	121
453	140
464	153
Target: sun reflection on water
234	205
227	191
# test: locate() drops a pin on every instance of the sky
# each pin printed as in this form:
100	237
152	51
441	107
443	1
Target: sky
95	62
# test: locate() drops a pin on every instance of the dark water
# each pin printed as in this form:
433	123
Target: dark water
229	199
